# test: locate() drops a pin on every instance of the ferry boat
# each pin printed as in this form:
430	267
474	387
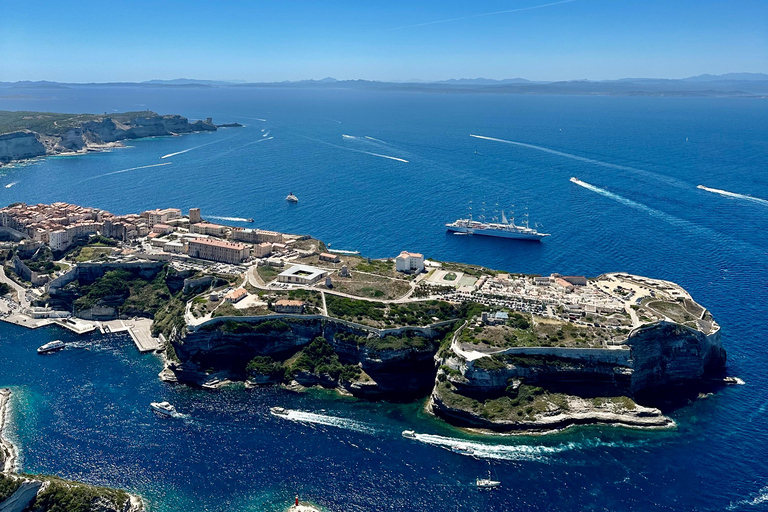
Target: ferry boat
487	483
292	198
278	411
50	347
163	408
410	434
504	229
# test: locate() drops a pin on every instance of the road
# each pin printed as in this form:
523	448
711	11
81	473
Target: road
20	290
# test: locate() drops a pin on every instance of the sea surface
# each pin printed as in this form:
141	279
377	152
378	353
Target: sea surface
381	172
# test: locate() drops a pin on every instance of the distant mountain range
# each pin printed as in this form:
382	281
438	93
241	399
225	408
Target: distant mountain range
729	84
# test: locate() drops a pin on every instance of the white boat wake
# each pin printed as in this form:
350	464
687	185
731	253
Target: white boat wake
256	141
11	184
671	219
660	177
127	170
730	194
759	499
509	452
358	150
376	140
191	149
233	219
331	421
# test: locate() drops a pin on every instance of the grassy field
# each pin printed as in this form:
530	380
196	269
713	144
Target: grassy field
371	286
89	253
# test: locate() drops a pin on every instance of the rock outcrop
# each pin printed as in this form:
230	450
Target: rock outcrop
20	145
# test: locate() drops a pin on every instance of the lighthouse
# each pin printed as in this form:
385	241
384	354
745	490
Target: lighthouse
297	501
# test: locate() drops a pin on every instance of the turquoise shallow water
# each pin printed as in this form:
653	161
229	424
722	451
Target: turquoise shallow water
83	413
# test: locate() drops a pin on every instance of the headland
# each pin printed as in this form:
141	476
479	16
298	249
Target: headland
25	135
488	349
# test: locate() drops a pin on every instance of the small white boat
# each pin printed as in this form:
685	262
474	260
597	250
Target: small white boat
211	384
462	449
487	483
51	346
410	434
278	411
163	408
292	198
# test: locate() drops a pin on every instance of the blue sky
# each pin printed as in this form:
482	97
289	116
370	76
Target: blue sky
380	40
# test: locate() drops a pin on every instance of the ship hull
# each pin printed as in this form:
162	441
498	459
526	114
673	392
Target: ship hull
498	233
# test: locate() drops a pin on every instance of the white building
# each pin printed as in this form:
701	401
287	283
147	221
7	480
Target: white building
301	274
409	262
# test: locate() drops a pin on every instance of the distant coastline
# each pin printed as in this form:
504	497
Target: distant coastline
25	135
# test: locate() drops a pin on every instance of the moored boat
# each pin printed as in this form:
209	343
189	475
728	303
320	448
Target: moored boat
504	229
292	198
51	346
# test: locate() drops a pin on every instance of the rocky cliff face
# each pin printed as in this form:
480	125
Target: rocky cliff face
396	373
94	134
20	145
666	354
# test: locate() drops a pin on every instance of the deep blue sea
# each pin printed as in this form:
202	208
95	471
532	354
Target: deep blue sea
381	172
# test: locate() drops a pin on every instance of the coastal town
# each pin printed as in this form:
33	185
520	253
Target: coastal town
272	261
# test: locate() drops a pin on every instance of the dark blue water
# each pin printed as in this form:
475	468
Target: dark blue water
83	413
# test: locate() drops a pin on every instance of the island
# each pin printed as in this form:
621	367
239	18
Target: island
25	135
484	348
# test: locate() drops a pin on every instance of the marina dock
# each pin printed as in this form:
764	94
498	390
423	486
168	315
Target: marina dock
139	329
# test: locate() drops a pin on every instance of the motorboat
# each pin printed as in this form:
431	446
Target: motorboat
163	408
487	483
462	449
278	411
51	346
410	434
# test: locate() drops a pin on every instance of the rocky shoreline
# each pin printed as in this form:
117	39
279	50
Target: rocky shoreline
45	491
8	452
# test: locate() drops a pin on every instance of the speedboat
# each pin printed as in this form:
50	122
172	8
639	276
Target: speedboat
487	483
410	434
163	408
292	198
462	449
248	220
51	346
278	411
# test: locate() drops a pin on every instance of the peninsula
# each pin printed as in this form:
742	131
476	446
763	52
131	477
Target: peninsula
487	349
25	135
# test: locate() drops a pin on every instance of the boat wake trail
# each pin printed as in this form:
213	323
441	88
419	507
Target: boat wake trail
671	181
722	193
358	150
11	184
331	421
538	453
376	140
233	219
257	141
671	219
191	149
127	170
761	498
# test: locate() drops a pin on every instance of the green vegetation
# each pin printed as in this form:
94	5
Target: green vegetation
8	486
50	123
90	253
4	288
355	310
407	341
320	358
621	402
267	272
265	366
233	327
490	364
65	496
673	310
130	293
525	403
